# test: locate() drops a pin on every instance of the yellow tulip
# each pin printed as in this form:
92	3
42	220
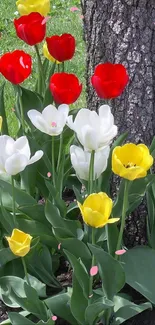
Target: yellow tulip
96	210
1	121
47	54
131	161
19	242
25	7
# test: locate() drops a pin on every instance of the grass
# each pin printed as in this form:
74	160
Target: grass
62	21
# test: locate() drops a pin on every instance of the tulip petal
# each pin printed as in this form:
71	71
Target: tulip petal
22	251
70	122
113	220
6	146
93	218
50	114
38	121
16	164
88	138
22	145
94	270
63	108
38	155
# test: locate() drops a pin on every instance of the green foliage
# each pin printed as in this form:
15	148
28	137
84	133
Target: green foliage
136	260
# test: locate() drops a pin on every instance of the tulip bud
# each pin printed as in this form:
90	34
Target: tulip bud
19	242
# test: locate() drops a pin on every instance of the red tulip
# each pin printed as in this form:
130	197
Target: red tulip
15	66
109	80
65	88
62	48
31	28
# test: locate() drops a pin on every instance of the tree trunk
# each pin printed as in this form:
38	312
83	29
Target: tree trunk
123	31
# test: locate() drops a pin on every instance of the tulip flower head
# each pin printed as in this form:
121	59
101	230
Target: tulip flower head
31	28
94	131
15	155
96	210
15	66
65	88
19	242
51	121
81	161
25	7
109	80
47	55
131	161
62	48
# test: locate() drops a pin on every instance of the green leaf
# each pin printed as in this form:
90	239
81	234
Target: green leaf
21	197
35	228
72	211
60	204
35	212
6	256
6	284
60	306
80	273
32	303
48	99
78	195
78	302
2	111
62	227
8	321
38	286
112	236
17	319
128	311
111	271
105	179
137	190
78	248
30	100
136	262
40	264
7	221
93	310
152	146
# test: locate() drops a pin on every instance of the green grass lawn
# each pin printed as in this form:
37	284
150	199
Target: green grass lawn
62	21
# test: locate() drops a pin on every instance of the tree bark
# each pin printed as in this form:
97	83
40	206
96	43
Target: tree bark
123	31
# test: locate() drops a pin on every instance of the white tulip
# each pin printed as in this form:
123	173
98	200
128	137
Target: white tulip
15	155
51	121
94	131
81	161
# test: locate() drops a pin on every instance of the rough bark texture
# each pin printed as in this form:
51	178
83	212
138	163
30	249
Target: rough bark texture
123	31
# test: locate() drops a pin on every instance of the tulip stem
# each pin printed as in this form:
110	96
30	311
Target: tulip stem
60	151
21	110
91	172
53	162
13	199
25	271
22	114
41	80
124	209
92	264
